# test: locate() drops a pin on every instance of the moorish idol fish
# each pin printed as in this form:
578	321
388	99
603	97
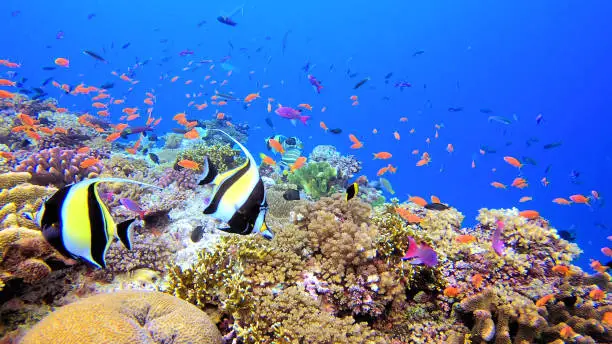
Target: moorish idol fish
351	191
78	224
238	197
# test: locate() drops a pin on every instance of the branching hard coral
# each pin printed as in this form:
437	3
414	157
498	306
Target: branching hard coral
316	178
223	156
58	167
293	316
122	166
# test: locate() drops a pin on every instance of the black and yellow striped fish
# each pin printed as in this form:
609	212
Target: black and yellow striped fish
239	196
78	224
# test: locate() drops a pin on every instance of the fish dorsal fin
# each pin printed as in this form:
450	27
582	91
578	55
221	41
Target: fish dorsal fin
243	148
210	172
125	233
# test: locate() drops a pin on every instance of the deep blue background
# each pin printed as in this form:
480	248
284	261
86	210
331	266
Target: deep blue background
520	57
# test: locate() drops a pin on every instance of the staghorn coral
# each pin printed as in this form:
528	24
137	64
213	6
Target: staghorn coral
58	167
126	317
316	179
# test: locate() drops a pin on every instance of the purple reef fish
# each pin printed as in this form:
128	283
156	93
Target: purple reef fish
316	84
291	114
133	206
420	254
496	241
402	84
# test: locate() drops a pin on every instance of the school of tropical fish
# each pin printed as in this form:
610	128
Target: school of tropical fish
193	197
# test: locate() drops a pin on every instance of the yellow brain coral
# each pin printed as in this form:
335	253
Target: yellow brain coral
126	317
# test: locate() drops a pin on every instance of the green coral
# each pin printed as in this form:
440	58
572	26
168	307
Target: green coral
223	156
315	178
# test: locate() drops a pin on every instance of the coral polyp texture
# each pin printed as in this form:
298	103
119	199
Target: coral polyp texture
57	166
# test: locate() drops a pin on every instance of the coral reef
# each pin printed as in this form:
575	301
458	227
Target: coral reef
223	156
58	167
316	179
184	179
346	165
126	317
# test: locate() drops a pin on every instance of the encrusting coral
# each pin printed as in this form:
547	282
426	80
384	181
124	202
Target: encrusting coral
126	317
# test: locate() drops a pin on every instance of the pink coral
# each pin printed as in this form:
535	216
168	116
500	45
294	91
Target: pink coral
58	167
184	179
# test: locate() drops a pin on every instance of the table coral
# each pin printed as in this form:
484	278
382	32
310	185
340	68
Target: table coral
126	317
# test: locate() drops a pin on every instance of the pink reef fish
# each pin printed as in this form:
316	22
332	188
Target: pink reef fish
316	84
496	241
291	114
420	254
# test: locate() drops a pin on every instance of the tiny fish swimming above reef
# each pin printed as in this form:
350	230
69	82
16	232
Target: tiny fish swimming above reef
77	224
238	197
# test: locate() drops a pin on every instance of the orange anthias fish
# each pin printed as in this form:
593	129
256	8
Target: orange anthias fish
597	266
382	155
299	163
529	214
250	97
192	134
607	251
418	200
267	160
513	161
465	238
579	199
544	300
435	199
407	215
382	171
62	62
597	294
192	165
112	137
498	185
6	94
88	162
356	143
561	269
525	199
278	148
396	135
561	201
520	183
305	106
323	126
450	148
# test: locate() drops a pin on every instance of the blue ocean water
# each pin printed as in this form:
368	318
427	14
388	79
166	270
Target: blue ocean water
518	59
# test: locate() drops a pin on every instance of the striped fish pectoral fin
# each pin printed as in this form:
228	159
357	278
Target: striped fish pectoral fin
125	232
53	235
231	230
209	173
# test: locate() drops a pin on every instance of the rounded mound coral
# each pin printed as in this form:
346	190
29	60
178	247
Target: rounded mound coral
126	317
